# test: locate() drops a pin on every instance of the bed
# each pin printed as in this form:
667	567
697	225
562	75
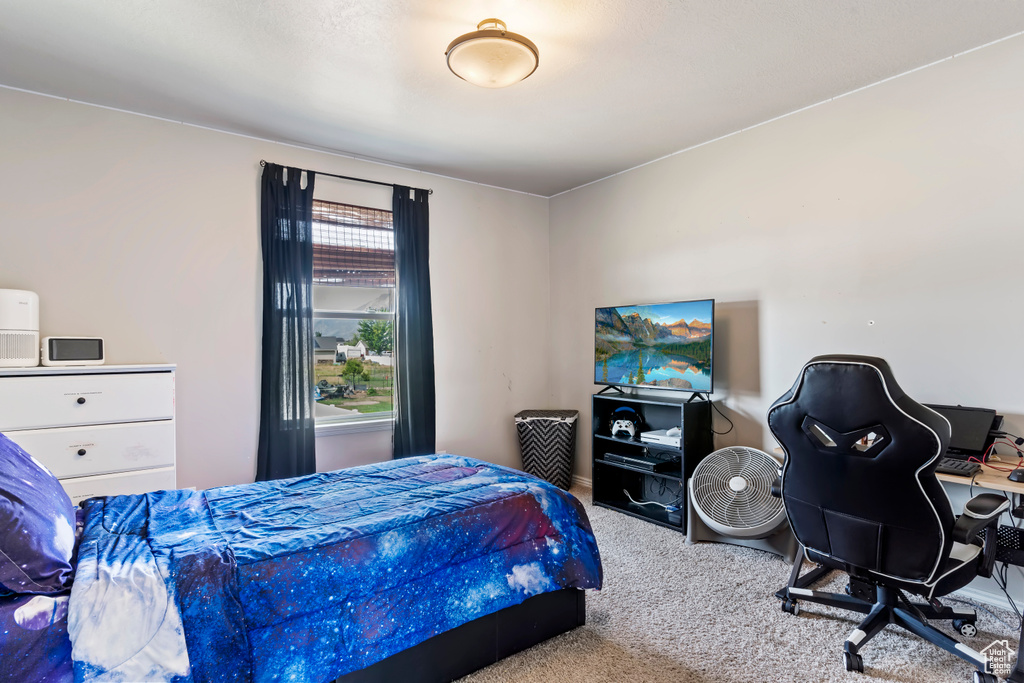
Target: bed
435	565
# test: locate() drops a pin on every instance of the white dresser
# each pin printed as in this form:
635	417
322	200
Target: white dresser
102	430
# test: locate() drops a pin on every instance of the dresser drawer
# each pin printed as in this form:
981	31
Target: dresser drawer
121	484
81	451
62	401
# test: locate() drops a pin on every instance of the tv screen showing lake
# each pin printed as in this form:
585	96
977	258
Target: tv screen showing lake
662	345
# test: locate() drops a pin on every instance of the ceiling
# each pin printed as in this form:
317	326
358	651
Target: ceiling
620	82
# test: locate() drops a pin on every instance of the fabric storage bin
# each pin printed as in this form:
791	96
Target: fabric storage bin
547	441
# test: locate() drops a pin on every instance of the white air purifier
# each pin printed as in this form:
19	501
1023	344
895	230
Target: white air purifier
19	328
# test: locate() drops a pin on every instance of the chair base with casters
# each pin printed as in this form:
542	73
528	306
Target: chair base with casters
883	602
885	605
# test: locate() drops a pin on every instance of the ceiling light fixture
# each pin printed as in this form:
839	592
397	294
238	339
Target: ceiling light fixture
491	56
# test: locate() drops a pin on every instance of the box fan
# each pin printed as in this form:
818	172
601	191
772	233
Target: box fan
731	501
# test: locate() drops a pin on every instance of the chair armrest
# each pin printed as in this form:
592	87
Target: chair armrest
980	512
777	486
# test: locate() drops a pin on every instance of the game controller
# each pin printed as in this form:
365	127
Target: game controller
623	429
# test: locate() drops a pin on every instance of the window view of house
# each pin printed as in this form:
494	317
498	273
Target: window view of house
353	318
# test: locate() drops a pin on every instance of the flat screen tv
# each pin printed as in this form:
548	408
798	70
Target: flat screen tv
664	346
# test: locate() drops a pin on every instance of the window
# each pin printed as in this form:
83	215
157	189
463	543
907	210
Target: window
353	316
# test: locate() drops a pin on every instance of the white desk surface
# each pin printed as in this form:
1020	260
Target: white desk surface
989	478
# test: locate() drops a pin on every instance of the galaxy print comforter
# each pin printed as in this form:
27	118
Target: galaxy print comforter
310	578
34	643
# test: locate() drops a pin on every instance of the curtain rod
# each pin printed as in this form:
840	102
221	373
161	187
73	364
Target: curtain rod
263	162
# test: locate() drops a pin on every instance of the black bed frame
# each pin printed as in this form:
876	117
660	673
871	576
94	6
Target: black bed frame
479	643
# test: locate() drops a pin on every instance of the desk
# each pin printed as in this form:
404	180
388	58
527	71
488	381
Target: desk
989	478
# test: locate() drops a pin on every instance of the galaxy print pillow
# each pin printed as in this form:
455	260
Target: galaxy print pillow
37	525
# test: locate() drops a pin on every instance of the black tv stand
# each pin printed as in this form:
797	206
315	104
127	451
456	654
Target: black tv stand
613	388
644	472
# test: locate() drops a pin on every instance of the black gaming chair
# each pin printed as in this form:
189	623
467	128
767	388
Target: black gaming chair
860	491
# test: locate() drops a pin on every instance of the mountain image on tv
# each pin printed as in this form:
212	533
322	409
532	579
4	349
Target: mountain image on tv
662	345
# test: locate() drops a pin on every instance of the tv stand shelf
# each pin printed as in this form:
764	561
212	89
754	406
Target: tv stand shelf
618	441
655	515
616	482
667	474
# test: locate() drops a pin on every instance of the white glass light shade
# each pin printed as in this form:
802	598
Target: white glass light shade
492	57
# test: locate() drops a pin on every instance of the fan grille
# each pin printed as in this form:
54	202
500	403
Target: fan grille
714	485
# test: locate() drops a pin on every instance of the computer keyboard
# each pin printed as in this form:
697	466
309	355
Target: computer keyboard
960	468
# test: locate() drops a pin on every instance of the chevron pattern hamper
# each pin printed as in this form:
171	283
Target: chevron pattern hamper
547	440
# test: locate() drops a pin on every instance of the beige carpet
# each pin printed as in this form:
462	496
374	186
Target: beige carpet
677	613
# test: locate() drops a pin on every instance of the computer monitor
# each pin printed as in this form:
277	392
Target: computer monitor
970	429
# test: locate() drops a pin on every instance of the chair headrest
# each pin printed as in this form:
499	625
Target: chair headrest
878	364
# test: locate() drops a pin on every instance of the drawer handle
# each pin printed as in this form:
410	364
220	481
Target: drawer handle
81	400
81	451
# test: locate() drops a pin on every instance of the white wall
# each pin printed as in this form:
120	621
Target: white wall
887	222
146	232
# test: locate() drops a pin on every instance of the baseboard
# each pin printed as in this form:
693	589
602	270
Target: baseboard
583	482
983	596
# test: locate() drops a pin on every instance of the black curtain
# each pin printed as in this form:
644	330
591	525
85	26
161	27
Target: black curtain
287	434
414	329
